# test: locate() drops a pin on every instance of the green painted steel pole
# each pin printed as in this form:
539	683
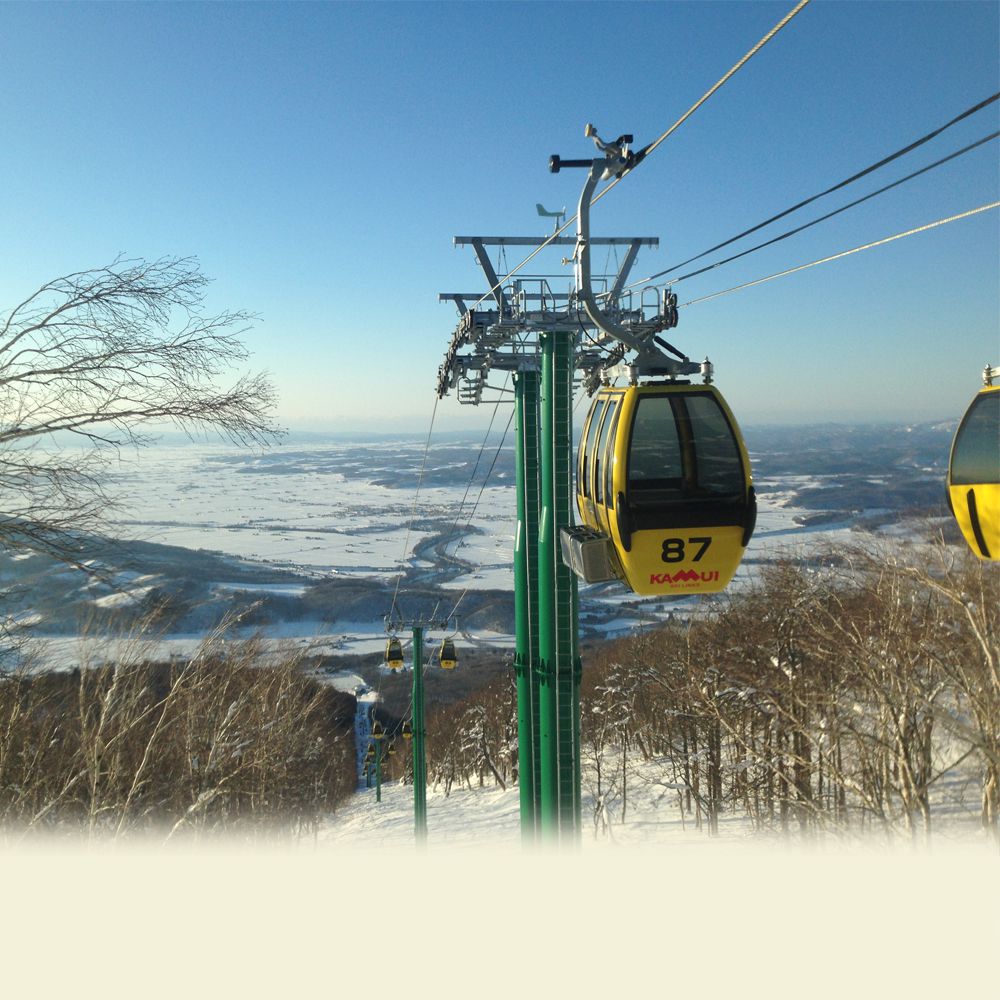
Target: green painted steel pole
419	733
547	746
559	662
378	770
526	597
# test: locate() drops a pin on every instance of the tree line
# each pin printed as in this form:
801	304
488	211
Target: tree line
841	695
227	739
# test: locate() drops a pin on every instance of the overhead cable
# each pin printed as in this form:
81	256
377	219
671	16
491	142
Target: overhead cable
475	507
845	253
648	149
413	511
837	211
836	187
475	468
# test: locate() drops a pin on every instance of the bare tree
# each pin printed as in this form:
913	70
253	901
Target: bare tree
91	362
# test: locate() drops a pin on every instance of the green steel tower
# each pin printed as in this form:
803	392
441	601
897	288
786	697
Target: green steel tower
521	324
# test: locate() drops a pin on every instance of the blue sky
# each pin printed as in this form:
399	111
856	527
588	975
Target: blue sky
319	158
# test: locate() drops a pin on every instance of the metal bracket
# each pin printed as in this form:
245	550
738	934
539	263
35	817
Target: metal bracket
637	336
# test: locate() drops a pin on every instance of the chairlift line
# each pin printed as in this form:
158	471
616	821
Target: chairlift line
663	478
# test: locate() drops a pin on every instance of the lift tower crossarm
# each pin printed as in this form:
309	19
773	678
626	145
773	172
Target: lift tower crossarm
491	276
500	331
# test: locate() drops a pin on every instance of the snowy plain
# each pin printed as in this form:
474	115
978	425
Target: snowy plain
312	518
325	512
337	509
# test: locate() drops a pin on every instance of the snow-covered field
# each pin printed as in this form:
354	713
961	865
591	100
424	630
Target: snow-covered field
329	509
315	520
651	905
293	509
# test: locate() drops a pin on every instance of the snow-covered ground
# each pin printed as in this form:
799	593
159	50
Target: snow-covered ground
330	509
303	516
319	521
490	817
652	905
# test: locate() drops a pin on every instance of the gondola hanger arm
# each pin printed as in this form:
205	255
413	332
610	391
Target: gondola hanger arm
616	160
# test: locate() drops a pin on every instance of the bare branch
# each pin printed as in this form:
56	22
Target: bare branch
88	362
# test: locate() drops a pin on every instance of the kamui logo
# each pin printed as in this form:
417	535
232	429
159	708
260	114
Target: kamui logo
683	576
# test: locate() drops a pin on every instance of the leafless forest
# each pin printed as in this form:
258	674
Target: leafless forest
859	696
862	697
226	740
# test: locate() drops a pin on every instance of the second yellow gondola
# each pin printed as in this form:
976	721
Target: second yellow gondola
446	655
974	474
394	654
664	484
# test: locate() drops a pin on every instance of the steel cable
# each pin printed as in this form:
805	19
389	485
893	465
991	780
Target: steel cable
475	506
844	253
836	187
837	211
649	149
413	511
646	150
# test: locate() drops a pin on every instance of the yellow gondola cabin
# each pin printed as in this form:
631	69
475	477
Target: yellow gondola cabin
394	654
664	491
974	474
446	655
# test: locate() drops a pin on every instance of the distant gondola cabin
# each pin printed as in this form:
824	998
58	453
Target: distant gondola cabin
446	655
394	654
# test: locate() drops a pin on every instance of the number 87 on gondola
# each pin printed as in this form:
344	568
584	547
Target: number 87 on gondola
664	491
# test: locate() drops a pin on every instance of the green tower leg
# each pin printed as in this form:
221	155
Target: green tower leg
559	662
526	598
419	735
